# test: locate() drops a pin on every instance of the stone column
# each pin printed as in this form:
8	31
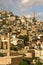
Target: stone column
8	45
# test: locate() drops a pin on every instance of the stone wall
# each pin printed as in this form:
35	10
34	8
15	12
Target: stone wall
11	60
16	61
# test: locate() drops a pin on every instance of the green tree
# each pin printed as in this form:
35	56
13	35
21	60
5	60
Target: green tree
36	58
25	62
34	20
38	62
13	48
1	55
25	38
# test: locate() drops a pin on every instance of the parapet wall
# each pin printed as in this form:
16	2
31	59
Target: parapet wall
11	60
5	60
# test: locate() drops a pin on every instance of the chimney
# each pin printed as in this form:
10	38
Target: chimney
8	45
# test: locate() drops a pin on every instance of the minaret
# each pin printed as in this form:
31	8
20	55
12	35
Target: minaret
8	45
34	14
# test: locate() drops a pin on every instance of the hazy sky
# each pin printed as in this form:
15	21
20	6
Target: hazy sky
23	7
